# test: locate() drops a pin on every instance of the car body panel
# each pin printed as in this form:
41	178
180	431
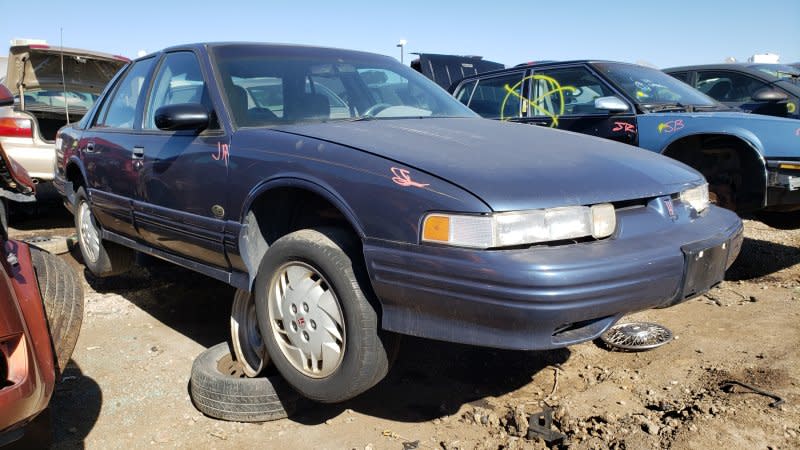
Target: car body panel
384	175
25	342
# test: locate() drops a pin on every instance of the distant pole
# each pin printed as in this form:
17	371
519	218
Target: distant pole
402	45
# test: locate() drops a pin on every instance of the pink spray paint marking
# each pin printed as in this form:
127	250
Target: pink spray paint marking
403	178
223	153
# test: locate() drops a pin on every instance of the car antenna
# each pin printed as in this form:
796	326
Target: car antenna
63	77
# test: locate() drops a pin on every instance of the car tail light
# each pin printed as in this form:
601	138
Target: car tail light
14	127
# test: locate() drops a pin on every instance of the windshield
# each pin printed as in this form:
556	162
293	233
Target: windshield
652	87
779	70
267	85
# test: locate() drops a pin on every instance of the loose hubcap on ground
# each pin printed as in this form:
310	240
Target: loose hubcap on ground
306	319
636	336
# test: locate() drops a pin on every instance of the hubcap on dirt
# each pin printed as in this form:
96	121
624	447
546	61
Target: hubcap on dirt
248	347
306	320
636	336
89	237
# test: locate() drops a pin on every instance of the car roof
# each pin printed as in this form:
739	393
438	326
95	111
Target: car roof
544	64
201	46
742	67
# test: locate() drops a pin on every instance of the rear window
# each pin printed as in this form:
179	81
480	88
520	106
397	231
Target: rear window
46	99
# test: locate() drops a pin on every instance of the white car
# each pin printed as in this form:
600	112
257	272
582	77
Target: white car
42	102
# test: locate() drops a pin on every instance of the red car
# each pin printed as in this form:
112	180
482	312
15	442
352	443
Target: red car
41	308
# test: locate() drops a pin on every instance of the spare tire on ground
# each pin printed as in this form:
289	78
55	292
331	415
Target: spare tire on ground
62	295
220	389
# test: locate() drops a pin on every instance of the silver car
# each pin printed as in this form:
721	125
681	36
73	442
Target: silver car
52	87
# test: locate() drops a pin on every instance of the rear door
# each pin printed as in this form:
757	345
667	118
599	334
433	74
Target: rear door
182	175
564	97
495	97
106	148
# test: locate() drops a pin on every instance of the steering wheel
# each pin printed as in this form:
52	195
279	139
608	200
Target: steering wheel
375	109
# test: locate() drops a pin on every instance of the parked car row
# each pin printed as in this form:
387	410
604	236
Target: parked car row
752	162
356	200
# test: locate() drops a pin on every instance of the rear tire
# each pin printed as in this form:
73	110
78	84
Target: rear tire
220	390
320	328
102	258
62	296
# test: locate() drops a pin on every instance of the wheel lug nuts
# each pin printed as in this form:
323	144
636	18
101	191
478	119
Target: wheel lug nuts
305	307
313	325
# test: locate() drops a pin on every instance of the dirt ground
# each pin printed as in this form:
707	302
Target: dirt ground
127	386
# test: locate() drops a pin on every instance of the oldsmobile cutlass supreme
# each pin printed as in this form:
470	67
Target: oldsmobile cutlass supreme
357	200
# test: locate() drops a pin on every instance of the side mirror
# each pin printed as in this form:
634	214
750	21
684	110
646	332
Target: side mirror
769	95
611	104
6	97
182	116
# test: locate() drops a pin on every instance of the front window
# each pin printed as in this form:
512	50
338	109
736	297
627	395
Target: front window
272	85
728	86
569	91
652	88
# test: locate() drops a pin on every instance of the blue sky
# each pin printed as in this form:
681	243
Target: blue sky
664	33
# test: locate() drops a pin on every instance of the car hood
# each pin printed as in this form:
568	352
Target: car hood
512	166
39	66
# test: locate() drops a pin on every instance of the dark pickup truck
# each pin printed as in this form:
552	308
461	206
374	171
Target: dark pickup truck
356	200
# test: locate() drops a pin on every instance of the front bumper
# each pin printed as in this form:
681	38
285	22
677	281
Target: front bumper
549	297
783	185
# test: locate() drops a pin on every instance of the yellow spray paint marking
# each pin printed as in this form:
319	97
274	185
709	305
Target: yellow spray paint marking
791	108
552	83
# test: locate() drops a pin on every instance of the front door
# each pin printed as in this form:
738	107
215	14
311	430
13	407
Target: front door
181	194
564	98
106	149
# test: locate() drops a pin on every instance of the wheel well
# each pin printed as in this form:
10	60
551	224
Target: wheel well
73	175
281	211
734	169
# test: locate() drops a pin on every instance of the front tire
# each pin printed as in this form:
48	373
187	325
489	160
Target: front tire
103	259
320	329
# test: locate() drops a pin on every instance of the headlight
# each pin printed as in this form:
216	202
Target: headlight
520	227
696	197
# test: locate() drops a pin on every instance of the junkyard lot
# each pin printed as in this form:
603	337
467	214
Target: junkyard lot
128	383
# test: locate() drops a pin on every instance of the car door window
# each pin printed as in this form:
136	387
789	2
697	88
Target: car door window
498	97
683	76
725	86
569	91
120	111
179	80
464	92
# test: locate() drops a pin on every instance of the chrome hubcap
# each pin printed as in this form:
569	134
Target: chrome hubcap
248	347
306	320
89	237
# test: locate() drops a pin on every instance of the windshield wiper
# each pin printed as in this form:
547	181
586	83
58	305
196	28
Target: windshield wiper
663	107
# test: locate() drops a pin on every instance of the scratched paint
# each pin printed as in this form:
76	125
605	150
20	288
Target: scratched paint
223	153
670	126
553	87
403	178
624	127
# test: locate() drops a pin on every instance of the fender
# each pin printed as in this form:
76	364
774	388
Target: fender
253	246
69	190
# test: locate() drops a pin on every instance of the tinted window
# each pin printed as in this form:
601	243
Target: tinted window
464	91
120	111
179	80
498	97
568	91
728	86
266	85
683	76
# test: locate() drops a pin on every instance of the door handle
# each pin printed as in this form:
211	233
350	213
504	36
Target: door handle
89	147
138	153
